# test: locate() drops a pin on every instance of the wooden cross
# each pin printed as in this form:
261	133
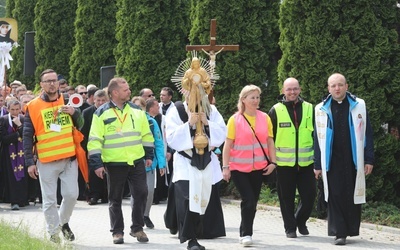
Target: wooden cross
213	40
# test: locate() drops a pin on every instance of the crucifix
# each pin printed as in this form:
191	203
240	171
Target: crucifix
212	49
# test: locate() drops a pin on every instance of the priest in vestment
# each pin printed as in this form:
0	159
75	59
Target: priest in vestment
14	178
194	174
344	154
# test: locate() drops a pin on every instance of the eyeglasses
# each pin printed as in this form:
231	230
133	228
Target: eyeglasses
81	93
150	95
50	81
293	89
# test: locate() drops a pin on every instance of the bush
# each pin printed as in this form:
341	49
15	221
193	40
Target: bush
269	196
372	212
381	213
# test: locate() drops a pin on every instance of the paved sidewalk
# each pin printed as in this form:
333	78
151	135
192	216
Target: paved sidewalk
91	227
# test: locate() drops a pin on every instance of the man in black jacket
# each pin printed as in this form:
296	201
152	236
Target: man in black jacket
98	187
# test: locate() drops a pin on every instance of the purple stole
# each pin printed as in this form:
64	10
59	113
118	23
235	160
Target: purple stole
16	152
3	111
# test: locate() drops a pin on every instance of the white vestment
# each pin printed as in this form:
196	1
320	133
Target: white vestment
179	138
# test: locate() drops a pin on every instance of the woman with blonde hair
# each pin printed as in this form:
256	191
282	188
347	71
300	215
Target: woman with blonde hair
249	153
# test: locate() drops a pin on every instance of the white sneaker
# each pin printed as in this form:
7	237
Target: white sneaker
246	240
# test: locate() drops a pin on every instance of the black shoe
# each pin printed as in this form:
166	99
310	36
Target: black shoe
140	236
194	245
148	222
173	231
291	235
68	234
340	241
303	230
15	207
118	238
92	201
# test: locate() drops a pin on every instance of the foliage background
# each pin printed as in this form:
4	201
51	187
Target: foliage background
306	39
360	41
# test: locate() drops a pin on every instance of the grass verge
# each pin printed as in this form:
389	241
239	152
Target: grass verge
18	237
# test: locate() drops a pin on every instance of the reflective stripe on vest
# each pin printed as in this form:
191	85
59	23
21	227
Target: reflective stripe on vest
120	140
246	154
51	145
285	141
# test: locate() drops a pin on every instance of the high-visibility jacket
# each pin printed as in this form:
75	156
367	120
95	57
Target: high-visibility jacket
51	145
118	135
291	146
246	154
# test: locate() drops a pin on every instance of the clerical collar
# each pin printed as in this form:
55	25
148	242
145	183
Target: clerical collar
341	101
167	105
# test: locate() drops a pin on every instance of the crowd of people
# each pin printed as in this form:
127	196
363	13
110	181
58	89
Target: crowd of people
151	151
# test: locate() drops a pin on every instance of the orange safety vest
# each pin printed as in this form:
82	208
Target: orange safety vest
51	145
246	154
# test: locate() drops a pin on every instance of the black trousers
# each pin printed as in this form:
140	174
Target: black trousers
136	177
249	187
288	180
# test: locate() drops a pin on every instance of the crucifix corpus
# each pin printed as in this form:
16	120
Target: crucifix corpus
212	49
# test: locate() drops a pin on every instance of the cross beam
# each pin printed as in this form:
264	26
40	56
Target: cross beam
213	42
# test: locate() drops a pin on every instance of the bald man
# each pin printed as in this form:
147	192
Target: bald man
292	120
344	154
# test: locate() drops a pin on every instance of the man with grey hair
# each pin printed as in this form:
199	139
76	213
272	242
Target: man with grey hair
146	93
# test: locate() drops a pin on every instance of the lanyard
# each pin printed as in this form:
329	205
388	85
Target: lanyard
119	118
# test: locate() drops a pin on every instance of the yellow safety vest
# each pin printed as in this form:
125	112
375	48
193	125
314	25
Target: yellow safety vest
119	135
285	141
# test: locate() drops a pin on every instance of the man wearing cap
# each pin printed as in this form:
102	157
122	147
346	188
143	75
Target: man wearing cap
14	85
63	86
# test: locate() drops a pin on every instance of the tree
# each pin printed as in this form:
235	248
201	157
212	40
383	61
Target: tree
254	26
25	23
95	40
151	41
3	8
358	39
8	5
54	38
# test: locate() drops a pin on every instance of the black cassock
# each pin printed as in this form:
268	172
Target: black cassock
11	190
344	216
208	226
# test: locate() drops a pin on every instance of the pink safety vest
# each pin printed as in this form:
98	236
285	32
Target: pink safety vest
246	154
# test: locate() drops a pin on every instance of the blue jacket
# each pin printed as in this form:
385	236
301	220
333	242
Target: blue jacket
159	156
369	144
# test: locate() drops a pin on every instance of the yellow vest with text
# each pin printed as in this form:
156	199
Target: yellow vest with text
51	145
285	141
119	135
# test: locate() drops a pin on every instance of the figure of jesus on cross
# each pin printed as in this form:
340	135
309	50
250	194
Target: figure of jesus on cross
213	56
